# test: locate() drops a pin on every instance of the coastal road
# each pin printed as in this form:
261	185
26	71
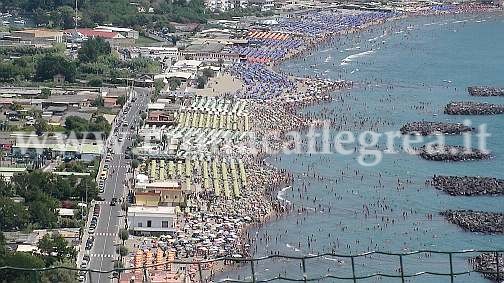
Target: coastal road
110	220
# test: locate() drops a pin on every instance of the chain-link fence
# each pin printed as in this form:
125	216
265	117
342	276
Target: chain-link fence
489	263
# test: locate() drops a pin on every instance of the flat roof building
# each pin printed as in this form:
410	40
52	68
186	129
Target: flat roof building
150	220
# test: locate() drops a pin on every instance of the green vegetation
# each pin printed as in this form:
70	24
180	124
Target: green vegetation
54	247
174	83
143	40
42	193
79	166
92	49
60	13
96	62
79	125
55	251
249	11
50	65
201	81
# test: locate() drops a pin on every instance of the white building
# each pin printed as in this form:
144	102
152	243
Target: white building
126	32
151	219
164	55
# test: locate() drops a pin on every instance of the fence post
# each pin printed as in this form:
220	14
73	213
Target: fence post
252	268
200	272
451	268
498	266
303	265
402	267
145	276
353	269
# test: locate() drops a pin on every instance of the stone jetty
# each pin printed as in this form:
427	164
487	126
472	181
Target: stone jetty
473	108
441	152
486	263
476	221
485	91
425	128
468	186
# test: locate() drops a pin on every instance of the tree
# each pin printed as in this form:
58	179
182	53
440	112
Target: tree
55	248
135	163
63	17
92	49
45	93
174	83
21	260
121	100
123	235
60	275
40	126
98	101
76	123
122	251
95	82
43	213
209	73
13	216
51	65
201	82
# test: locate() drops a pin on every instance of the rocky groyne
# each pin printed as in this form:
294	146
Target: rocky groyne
442	152
486	263
485	91
476	221
473	108
468	186
429	128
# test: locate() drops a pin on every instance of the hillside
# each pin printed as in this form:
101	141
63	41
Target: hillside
60	13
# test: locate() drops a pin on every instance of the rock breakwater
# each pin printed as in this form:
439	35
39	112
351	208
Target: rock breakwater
468	186
429	128
476	221
473	108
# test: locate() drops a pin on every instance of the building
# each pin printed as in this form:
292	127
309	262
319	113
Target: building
113	37
147	220
187	66
39	36
147	198
126	32
166	55
209	52
171	192
160	118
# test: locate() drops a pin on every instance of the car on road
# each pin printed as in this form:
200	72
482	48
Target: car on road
113	202
96	210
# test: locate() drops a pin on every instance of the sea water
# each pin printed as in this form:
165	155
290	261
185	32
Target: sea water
406	70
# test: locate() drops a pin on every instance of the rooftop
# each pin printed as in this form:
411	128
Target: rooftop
206	47
151	210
